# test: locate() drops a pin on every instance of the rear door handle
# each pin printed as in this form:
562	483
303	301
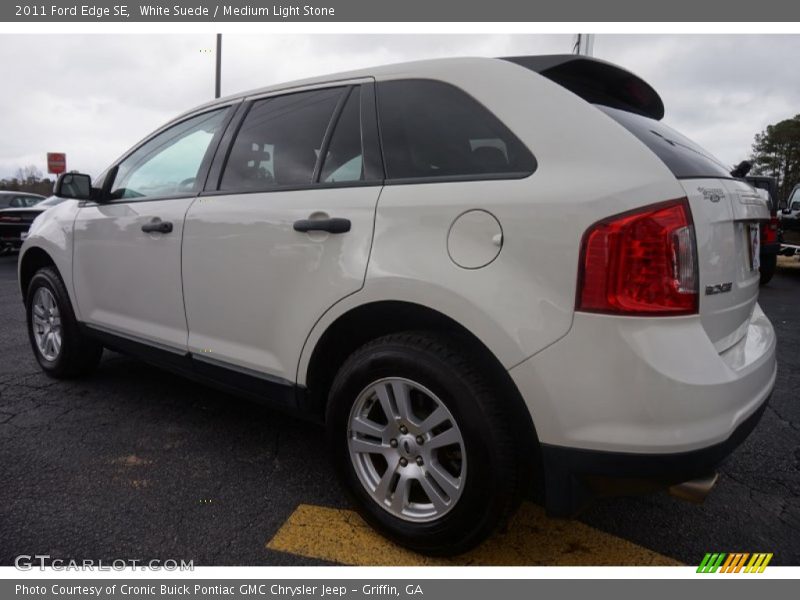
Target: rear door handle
329	225
156	225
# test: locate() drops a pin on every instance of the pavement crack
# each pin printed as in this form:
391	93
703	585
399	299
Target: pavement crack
783	419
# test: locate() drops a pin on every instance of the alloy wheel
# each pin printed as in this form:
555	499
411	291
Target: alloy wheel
407	449
46	324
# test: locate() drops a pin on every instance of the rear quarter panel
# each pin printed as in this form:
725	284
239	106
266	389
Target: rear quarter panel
589	167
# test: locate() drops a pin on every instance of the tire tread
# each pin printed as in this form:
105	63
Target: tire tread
79	354
464	364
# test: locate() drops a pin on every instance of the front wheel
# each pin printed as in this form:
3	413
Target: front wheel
422	444
57	342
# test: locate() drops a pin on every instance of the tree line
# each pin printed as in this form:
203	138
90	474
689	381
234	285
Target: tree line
776	152
28	179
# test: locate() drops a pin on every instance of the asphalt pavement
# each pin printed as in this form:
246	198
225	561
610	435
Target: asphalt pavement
136	463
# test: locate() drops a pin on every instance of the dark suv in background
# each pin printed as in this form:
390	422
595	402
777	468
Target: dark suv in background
790	223
770	240
14	218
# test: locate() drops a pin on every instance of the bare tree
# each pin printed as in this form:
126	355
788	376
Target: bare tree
29	175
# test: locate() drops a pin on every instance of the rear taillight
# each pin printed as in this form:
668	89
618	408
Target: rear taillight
769	231
642	262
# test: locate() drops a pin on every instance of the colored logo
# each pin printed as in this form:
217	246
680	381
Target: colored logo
713	194
735	562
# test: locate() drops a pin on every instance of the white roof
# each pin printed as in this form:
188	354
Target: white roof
427	68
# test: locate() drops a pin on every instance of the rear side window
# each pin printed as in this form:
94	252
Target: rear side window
680	154
430	129
279	141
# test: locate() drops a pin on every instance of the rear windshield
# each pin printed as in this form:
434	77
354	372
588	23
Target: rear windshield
681	155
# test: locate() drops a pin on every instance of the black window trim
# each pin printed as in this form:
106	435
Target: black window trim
507	176
629	121
374	164
205	164
223	148
452	178
373	158
326	137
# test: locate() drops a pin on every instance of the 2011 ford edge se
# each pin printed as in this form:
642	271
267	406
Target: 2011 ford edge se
474	271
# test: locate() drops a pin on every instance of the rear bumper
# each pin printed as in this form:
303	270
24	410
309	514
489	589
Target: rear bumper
573	475
669	468
646	385
642	399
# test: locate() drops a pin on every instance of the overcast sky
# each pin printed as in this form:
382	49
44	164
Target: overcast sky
93	96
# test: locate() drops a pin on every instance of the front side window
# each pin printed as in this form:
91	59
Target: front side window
169	163
431	129
279	141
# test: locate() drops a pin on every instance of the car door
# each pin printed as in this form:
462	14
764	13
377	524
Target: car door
285	232
127	250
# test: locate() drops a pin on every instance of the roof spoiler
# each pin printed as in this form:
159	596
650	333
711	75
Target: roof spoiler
597	81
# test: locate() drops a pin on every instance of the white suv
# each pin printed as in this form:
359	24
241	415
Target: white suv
473	271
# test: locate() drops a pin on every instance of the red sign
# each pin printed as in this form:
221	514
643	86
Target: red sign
56	162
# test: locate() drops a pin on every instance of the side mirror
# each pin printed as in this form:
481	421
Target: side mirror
73	185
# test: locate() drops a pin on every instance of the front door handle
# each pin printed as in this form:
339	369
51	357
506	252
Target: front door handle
156	225
329	225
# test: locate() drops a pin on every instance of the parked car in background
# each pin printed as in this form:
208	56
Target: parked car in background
18	199
770	242
473	271
790	223
15	222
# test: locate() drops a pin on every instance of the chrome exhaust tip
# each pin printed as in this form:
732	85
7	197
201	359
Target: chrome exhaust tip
694	491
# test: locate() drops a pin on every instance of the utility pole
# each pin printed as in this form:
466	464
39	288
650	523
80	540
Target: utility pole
584	44
219	66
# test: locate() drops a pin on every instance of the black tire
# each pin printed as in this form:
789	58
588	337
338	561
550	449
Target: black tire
767	268
493	484
78	355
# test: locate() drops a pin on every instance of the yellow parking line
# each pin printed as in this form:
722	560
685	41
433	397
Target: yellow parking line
532	538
